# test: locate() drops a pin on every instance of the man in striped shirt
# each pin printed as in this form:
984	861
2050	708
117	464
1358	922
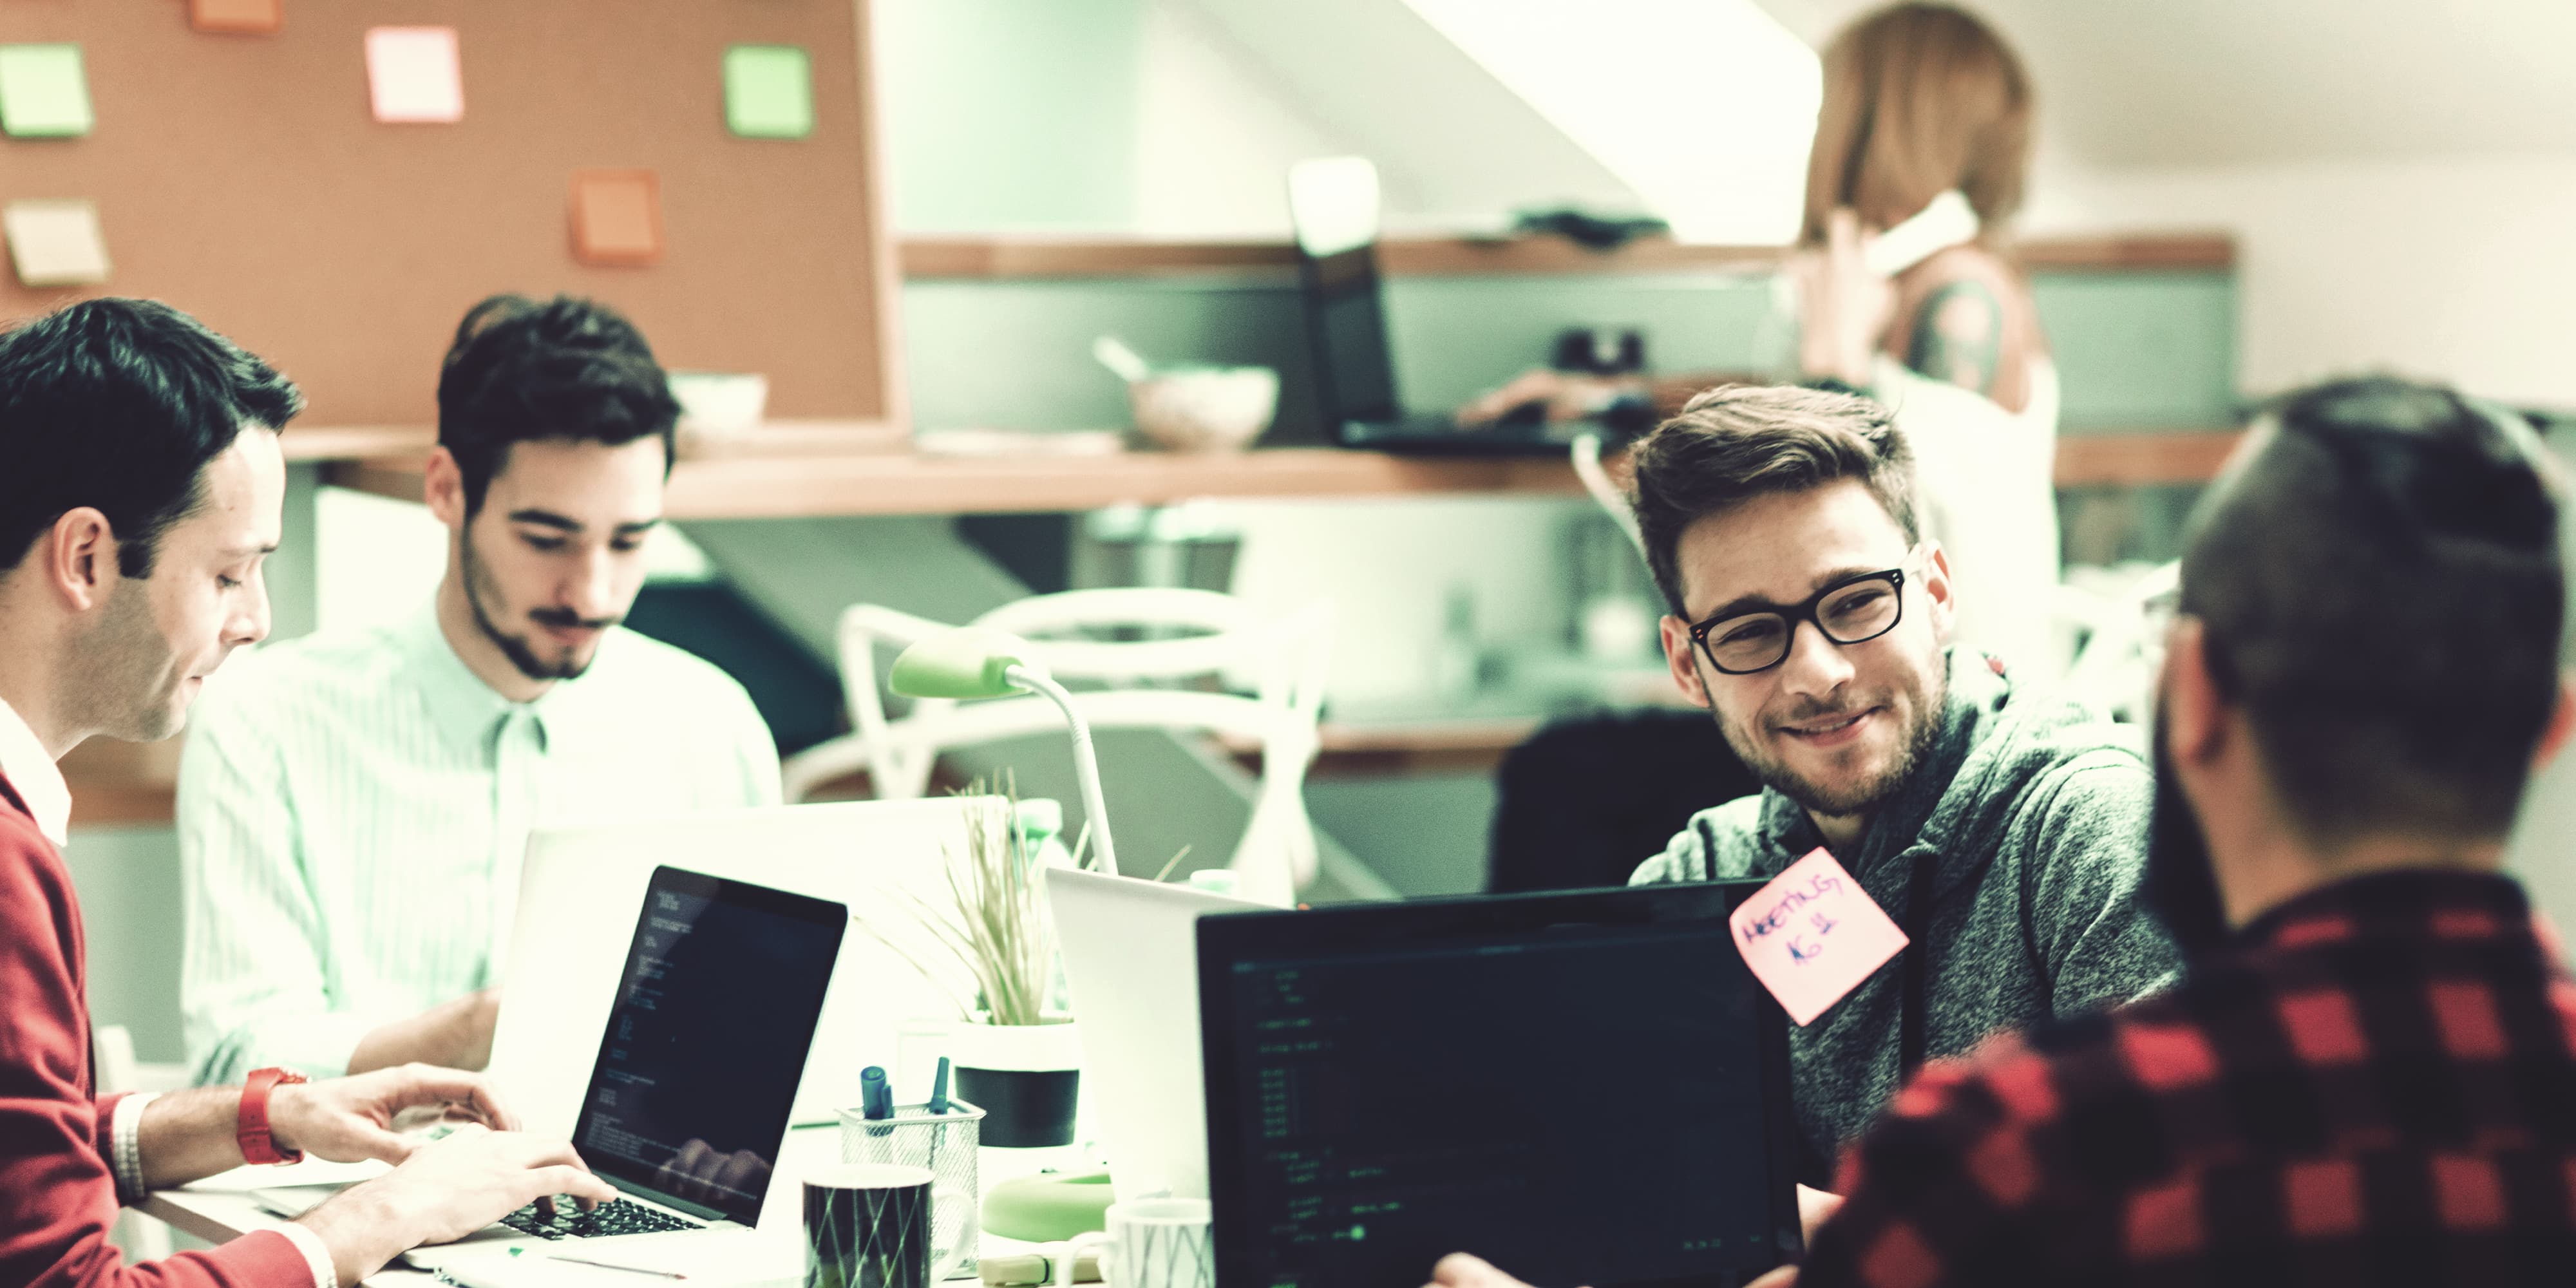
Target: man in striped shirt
353	806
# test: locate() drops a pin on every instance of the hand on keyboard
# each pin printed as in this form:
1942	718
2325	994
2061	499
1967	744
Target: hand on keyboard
568	1221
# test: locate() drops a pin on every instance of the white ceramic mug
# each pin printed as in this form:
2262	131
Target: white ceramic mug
1158	1243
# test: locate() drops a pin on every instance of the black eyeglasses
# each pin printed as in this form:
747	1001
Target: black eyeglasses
1853	610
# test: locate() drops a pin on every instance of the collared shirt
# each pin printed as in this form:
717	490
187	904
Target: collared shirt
2375	1084
71	1155
31	770
353	808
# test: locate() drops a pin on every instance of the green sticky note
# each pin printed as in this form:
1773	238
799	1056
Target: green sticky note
43	92
769	92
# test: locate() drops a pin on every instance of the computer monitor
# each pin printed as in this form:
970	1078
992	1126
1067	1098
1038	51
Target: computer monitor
1585	1088
707	1038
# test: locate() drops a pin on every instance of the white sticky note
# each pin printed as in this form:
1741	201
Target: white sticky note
1812	935
413	74
55	243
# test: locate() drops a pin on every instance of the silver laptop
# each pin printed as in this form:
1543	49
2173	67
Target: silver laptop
1131	958
689	1097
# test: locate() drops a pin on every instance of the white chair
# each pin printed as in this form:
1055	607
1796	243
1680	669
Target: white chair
1188	634
2124	647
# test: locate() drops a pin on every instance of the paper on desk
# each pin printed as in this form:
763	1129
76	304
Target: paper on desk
1812	935
718	1260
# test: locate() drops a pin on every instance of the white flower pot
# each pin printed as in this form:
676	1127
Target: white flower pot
1026	1078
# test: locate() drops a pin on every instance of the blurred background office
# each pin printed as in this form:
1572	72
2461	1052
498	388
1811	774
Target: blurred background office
2224	201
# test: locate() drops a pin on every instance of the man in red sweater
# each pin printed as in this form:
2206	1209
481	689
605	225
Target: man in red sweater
140	488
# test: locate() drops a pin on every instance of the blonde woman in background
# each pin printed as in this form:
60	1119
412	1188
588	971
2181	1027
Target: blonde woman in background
1921	99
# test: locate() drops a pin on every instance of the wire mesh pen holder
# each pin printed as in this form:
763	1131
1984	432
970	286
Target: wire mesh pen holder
942	1144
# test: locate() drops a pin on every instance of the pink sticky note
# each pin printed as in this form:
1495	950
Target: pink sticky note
413	75
1813	935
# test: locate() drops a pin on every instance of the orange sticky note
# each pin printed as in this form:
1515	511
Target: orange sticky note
1812	935
247	16
55	243
616	217
413	74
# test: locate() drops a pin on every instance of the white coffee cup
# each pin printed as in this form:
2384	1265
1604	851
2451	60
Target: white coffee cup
1158	1243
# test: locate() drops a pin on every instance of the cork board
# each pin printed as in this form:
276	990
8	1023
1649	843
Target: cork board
243	178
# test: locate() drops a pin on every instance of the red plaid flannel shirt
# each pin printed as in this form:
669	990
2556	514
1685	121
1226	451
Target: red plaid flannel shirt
2376	1083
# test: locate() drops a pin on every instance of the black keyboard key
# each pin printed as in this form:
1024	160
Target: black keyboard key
615	1217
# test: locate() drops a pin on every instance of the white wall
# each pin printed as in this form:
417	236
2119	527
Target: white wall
2458	268
1214	138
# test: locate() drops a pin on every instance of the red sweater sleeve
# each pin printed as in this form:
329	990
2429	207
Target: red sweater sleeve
57	1191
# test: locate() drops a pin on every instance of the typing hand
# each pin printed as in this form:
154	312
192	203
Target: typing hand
347	1119
1566	396
446	1190
699	1172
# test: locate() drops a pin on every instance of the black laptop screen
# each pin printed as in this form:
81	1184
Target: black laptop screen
715	1014
1582	1104
1346	320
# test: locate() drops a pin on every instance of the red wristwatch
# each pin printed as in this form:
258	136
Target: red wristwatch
252	1128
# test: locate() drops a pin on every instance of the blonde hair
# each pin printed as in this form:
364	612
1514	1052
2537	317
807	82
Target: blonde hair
1918	98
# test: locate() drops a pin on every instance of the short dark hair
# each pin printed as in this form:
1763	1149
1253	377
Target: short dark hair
565	369
2380	589
1738	442
119	404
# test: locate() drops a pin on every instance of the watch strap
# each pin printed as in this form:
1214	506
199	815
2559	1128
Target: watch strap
251	1128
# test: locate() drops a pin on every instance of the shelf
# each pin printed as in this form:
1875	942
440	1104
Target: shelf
988	258
771	481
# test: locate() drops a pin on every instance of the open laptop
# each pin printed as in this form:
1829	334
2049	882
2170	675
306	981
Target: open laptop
1131	957
1586	1088
1333	203
697	1067
562	958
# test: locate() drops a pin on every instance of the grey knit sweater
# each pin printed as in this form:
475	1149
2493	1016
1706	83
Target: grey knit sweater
2035	811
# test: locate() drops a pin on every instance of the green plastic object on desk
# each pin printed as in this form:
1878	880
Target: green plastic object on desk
964	663
1045	1209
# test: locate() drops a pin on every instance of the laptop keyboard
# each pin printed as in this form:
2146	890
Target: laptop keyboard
614	1217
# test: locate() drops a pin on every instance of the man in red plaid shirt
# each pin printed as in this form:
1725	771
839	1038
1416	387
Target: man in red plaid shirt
2369	1073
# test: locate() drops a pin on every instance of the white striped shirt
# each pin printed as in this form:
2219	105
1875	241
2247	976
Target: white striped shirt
354	805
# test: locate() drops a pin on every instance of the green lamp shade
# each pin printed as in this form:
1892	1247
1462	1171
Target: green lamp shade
963	663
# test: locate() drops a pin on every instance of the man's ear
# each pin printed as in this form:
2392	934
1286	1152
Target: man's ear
77	557
2562	721
1684	661
442	488
2194	713
1937	590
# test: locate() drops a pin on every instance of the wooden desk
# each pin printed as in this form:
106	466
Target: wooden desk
220	1208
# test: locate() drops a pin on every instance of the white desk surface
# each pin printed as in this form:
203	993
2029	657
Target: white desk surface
219	1208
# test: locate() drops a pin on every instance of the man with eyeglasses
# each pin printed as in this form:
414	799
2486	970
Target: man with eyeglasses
2368	1074
2006	832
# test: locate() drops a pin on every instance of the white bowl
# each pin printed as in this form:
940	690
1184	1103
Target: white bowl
720	404
1204	409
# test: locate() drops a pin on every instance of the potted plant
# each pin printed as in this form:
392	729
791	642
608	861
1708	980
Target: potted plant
1015	1058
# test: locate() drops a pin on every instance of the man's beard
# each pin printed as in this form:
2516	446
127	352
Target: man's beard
1849	798
2180	886
521	653
128	673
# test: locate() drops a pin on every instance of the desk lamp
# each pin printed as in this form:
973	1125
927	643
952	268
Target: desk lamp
979	662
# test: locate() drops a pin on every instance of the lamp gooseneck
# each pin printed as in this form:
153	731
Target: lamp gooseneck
979	662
